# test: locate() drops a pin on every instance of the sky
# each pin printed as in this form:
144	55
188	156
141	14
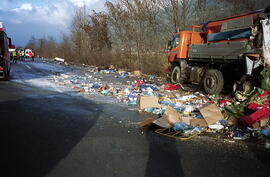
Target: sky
40	18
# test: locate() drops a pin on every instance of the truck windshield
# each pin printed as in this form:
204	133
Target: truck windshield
175	41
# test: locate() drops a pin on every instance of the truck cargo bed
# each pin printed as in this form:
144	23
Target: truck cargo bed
221	50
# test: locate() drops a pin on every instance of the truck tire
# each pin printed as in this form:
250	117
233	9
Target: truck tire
6	76
176	75
213	81
179	73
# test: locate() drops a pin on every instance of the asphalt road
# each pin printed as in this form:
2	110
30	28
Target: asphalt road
46	131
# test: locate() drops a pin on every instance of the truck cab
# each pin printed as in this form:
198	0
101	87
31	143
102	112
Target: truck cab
178	47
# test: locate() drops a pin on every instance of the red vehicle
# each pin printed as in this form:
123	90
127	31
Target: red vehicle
4	53
28	53
219	53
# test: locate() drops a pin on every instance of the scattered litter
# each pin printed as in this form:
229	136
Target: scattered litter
171	87
177	112
59	59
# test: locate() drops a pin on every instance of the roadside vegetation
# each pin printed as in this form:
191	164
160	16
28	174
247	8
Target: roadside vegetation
133	34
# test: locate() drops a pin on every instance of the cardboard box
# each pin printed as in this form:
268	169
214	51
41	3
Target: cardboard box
198	122
261	123
112	66
186	119
146	122
137	73
172	116
193	121
163	122
169	119
211	114
147	102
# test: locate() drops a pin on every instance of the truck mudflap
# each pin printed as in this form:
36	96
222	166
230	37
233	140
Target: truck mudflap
219	51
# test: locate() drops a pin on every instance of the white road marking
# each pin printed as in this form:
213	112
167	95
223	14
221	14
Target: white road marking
28	67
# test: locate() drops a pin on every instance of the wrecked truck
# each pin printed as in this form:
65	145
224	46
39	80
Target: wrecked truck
228	52
4	53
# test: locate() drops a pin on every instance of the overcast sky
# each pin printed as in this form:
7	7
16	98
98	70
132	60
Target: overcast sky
40	18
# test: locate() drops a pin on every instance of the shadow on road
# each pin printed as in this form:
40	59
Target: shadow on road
164	159
261	153
37	133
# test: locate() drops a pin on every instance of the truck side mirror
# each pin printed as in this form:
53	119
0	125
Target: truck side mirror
169	44
9	42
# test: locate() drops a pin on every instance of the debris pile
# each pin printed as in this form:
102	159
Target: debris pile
180	113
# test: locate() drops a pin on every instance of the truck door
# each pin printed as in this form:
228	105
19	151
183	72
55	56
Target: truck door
174	48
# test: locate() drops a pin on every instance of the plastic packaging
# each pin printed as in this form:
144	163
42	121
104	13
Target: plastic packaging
266	132
181	126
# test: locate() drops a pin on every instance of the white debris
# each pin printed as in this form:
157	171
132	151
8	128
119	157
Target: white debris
59	59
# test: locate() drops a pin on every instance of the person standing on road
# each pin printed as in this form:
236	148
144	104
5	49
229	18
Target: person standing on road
18	54
33	56
22	55
14	56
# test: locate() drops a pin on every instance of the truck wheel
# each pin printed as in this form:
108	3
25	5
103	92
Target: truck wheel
176	75
213	81
6	75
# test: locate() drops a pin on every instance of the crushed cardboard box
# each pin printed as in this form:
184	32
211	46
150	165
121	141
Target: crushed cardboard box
198	122
137	73
147	102
112	66
172	116
167	121
211	114
162	122
194	121
146	122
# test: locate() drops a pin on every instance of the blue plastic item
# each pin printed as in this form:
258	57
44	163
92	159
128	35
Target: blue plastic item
132	96
168	103
149	110
106	92
132	103
179	109
266	132
95	86
230	35
125	75
182	127
144	86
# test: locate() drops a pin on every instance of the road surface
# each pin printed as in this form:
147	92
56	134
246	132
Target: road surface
47	130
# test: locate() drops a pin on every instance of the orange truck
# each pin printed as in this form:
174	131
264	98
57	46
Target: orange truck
219	53
5	44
